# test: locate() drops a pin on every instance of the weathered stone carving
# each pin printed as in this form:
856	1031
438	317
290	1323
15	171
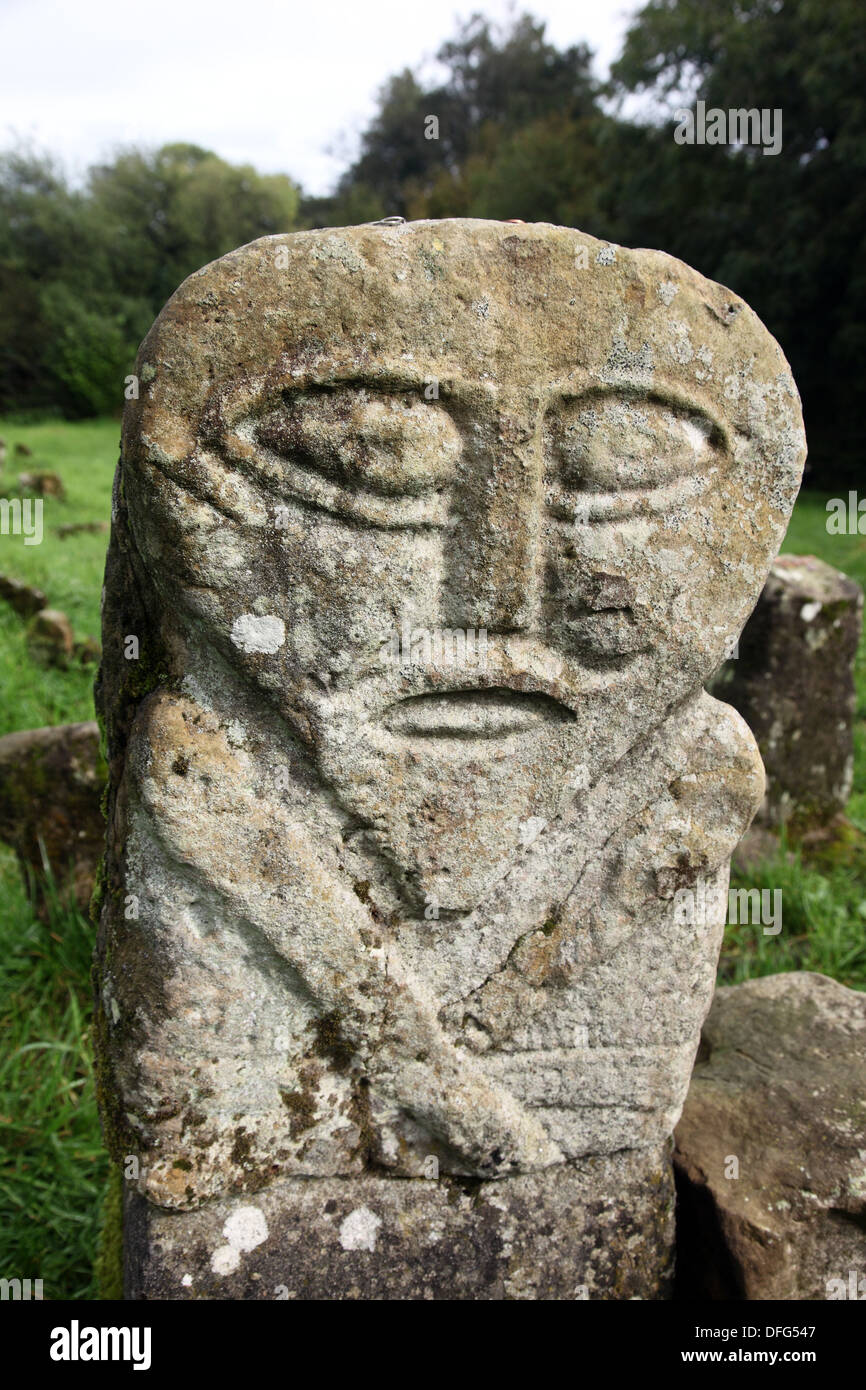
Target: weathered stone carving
427	537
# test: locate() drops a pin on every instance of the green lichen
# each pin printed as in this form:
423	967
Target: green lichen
367	1148
97	897
331	1043
116	1132
301	1106
242	1148
108	1265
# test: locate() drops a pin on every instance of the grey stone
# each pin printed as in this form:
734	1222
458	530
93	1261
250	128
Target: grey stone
50	639
51	785
601	1228
78	528
87	651
780	1089
425	540
24	598
42	483
793	683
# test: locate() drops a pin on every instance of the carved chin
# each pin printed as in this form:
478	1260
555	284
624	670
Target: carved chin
452	810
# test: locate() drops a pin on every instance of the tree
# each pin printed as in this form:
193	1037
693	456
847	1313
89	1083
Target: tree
500	85
788	232
168	212
83	274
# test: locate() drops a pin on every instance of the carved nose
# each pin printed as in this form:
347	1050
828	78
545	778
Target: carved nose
494	561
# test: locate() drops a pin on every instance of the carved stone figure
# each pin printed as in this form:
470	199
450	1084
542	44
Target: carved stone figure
425	540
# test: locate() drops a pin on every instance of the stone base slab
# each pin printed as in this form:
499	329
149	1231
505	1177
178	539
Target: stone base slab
599	1229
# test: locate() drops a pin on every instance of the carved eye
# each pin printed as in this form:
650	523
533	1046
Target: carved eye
376	457
614	455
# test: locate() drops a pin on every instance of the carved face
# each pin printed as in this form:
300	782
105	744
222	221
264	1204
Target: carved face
459	505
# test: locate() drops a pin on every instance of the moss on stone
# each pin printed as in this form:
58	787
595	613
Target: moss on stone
108	1266
331	1043
97	897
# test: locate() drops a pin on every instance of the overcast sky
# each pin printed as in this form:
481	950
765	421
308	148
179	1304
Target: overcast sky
285	86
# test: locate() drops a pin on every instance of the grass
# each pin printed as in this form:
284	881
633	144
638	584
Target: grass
823	896
807	535
823	920
53	1168
69	571
53	1172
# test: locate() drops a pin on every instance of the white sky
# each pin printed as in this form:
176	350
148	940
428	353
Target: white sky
287	87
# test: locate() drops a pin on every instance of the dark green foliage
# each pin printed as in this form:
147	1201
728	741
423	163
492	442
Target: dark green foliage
84	273
496	86
787	232
525	132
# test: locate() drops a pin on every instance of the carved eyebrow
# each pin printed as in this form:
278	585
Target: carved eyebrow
636	393
377	379
393	378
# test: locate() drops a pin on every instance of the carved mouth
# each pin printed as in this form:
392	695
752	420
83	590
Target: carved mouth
493	713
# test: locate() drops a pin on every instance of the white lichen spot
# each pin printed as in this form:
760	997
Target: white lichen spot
697	433
810	611
622	361
244	1230
606	256
336	248
530	829
187	1281
225	1260
857	1185
360	1229
681	347
666	291
252	634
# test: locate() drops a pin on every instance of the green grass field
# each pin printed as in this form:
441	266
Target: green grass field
53	1172
69	571
824	900
52	1166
